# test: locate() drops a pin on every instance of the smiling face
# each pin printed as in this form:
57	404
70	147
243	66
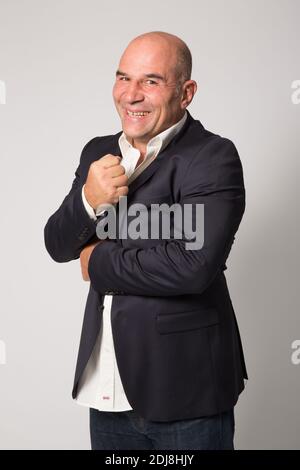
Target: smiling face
147	94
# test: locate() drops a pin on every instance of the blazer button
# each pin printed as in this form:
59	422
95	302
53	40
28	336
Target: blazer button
83	233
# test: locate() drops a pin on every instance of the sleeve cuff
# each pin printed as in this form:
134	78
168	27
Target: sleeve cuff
87	207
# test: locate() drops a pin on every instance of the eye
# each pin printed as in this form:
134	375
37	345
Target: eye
150	82
123	78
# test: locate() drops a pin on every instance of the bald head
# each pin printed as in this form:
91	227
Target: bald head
153	85
178	51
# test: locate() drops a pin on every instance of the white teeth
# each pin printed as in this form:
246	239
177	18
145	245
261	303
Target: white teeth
137	114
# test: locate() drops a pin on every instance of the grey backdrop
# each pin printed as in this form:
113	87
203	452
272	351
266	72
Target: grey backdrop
57	64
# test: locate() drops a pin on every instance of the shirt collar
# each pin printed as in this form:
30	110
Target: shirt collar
157	143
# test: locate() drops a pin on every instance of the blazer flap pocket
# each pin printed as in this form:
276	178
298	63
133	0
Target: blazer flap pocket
185	321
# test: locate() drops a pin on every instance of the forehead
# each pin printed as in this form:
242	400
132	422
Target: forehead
148	57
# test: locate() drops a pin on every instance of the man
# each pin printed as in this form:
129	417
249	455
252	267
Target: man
160	362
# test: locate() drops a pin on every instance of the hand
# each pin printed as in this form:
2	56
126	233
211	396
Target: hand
106	181
84	259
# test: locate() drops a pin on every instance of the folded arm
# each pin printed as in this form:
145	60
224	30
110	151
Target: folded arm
169	268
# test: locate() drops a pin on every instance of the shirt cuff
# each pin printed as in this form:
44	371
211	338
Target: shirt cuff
88	208
100	210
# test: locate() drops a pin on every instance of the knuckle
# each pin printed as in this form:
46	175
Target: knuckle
111	190
104	159
93	166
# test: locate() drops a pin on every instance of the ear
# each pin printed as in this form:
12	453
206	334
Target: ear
188	91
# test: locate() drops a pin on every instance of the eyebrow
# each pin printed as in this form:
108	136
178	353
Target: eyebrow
148	75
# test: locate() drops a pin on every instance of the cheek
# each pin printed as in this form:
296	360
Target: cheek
161	102
156	98
117	92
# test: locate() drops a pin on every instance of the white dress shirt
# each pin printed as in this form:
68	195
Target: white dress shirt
100	385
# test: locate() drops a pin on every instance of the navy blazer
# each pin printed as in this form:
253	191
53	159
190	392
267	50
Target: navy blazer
175	334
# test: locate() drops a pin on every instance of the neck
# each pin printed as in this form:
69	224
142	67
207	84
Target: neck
142	147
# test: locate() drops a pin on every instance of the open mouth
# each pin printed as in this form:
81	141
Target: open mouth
137	114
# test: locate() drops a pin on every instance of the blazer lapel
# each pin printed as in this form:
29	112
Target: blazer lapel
178	139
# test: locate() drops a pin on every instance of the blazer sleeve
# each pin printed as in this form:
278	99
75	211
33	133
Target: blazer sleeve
213	178
69	229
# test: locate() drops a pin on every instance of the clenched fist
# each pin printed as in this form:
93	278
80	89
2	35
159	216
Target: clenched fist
106	181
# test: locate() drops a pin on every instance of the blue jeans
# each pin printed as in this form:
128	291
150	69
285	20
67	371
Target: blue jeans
126	430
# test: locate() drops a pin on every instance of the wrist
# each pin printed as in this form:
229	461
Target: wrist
88	198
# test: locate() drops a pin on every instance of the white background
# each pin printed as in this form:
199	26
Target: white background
58	59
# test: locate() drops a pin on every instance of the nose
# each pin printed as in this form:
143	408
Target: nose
133	92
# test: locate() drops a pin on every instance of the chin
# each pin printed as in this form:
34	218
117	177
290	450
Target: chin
134	133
